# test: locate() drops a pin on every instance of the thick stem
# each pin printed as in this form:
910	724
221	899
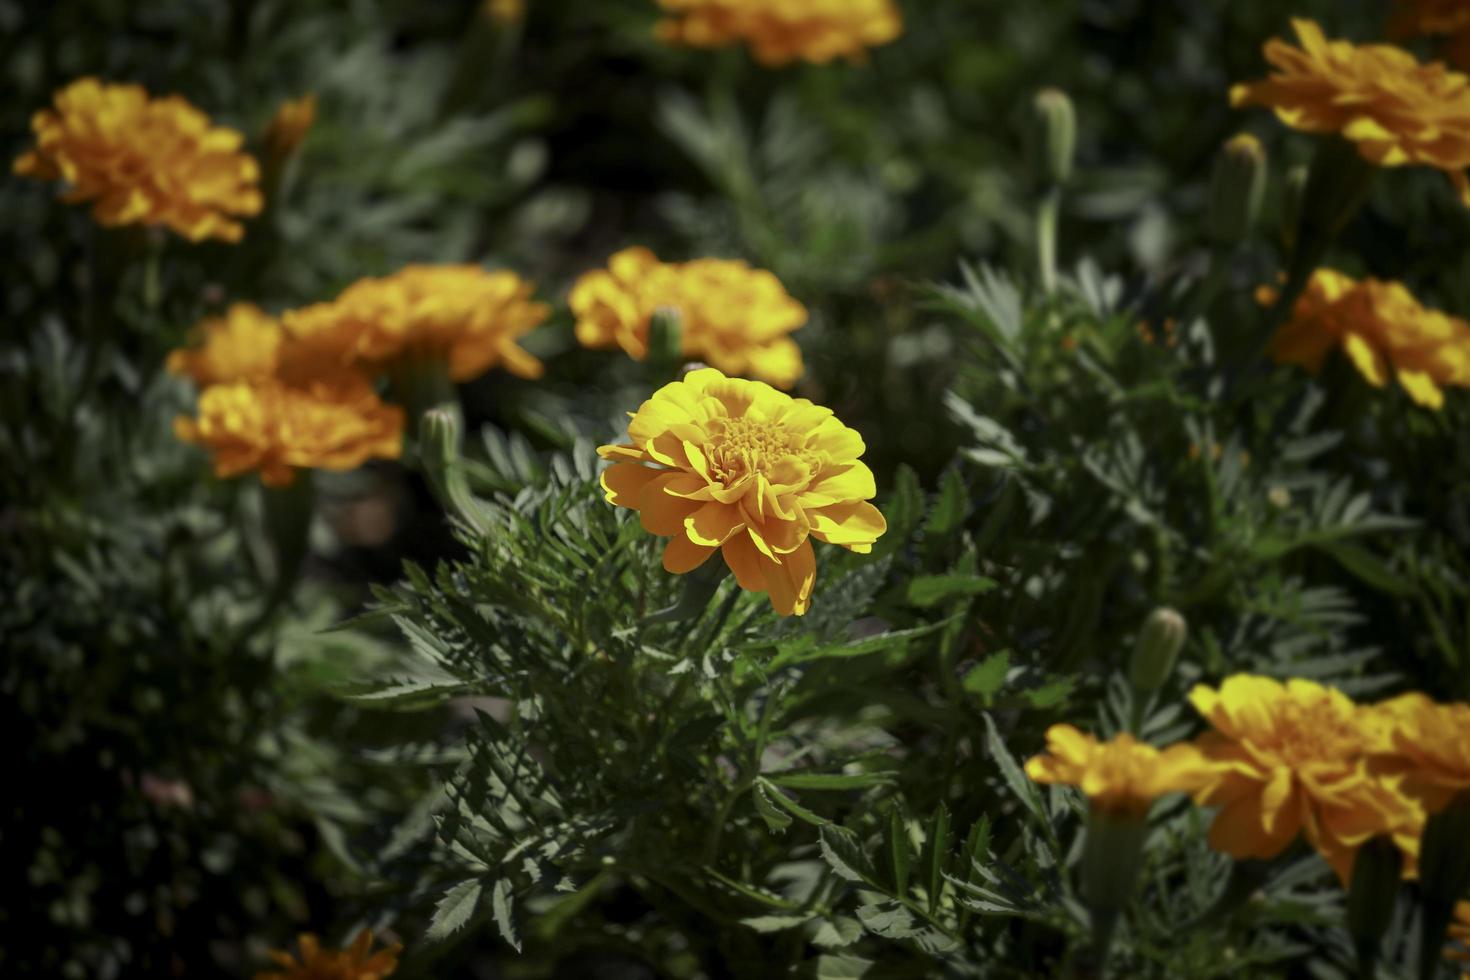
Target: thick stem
1048	215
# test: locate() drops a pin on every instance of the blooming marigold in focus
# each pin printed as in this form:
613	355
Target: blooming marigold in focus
356	962
242	345
1123	776
1429	743
1398	111
731	316
266	425
143	160
1382	328
1292	759
470	316
780	31
719	463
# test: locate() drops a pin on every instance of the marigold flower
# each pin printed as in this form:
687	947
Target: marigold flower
1292	759
1412	18
1382	328
1429	743
332	423
742	468
144	161
779	31
356	962
469	315
242	345
1398	111
288	127
731	316
505	11
1460	933
1122	776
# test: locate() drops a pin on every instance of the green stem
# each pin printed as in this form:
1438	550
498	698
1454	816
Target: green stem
1048	215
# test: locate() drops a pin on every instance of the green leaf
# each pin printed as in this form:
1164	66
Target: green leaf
502	901
842	967
888	919
790	805
931	590
950	509
938	848
1023	788
858	648
1050	694
1368	567
837	932
989	676
453	910
843	853
898	845
775	923
830	780
774	818
903	510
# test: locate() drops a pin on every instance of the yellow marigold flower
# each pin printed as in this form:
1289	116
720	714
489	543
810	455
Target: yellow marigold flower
1460	933
356	962
469	315
1398	111
505	11
1122	776
743	468
288	127
1292	759
332	423
1382	328
732	316
779	31
1428	743
242	345
1429	17
144	161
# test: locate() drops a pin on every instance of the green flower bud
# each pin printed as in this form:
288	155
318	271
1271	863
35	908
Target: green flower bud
1056	133
1156	650
439	455
1294	192
1444	876
1237	189
1374	893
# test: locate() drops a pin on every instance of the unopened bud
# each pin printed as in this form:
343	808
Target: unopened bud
1293	193
1156	649
1377	870
439	455
287	129
1237	189
1056	133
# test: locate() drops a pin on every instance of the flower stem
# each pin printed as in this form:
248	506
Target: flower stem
1048	214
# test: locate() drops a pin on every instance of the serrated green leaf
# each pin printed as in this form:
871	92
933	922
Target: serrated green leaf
837	932
844	854
502	902
950	507
938	848
931	590
775	923
840	966
1023	789
831	780
774	818
898	847
989	676
888	919
453	910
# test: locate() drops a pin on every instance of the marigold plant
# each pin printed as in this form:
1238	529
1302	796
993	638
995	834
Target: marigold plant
780	32
719	463
1429	743
732	316
1382	329
142	160
244	344
1121	776
266	425
472	317
1291	759
1460	935
356	962
1398	111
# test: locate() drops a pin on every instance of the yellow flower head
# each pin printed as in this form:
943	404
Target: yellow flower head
332	423
1428	743
1292	759
780	31
242	345
1382	328
144	161
731	316
1123	776
288	127
1460	934
356	962
720	463
1412	18
470	316
1399	112
505	11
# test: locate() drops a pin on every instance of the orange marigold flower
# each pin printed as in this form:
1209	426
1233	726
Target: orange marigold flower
505	11
288	127
472	317
1398	111
1460	933
1122	776
356	962
1429	743
242	345
1412	18
779	31
144	161
1382	328
731	316
1292	759
721	463
335	423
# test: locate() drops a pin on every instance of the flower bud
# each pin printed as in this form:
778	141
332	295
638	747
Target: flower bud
1056	133
1374	893
1156	650
1237	189
287	129
1293	193
439	446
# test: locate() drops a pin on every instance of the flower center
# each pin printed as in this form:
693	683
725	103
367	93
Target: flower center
1313	732
740	447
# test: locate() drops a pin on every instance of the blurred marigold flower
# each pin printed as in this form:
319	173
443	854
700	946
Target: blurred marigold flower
1460	934
1427	742
505	11
731	316
242	345
470	316
265	425
1292	759
1398	111
781	31
356	962
288	127
142	160
743	468
1382	328
1123	776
